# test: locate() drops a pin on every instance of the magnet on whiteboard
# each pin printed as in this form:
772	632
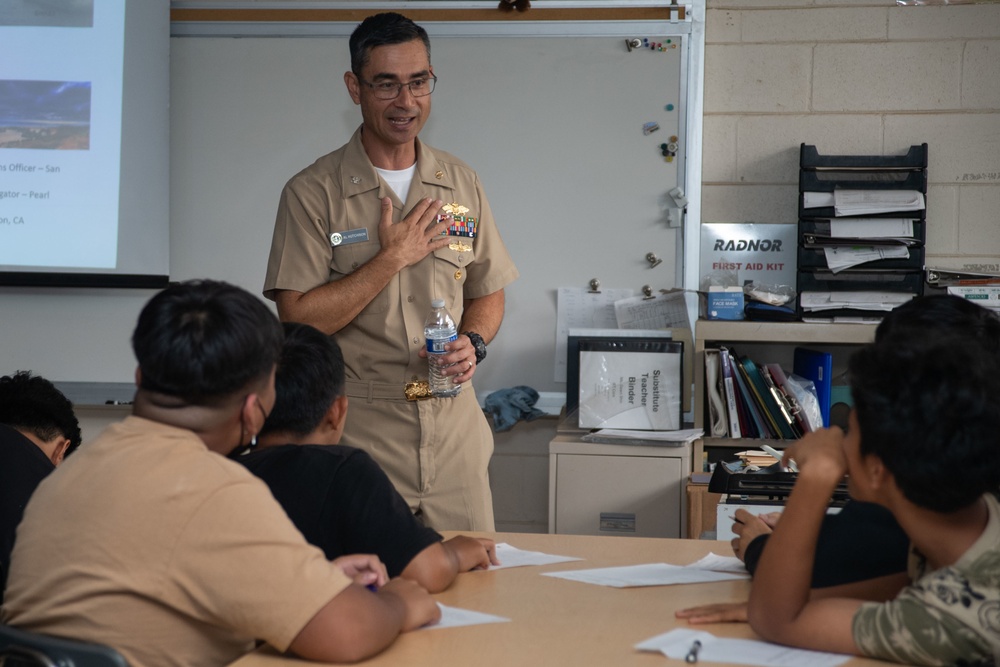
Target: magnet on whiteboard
632	44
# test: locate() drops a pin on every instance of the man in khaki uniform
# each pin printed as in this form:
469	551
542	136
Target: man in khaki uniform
364	239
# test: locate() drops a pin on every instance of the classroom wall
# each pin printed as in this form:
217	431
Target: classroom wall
851	78
856	78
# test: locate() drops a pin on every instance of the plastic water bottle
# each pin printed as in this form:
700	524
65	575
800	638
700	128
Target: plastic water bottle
439	329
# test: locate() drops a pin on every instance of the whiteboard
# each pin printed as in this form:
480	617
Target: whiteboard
552	124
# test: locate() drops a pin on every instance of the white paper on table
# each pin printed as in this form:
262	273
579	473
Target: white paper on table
650	574
510	556
676	645
577	308
719	563
453	617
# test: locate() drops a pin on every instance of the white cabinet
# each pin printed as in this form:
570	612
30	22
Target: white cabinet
599	489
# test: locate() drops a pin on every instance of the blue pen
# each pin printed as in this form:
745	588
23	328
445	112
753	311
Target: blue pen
372	587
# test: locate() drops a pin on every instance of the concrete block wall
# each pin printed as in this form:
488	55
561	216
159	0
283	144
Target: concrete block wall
852	77
856	77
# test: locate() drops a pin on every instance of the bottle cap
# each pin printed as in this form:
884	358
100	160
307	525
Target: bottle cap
437	303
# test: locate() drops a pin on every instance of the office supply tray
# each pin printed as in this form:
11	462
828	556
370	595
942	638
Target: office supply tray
915	159
763	483
815	258
872	280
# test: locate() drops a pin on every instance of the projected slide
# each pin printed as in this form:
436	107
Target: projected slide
61	64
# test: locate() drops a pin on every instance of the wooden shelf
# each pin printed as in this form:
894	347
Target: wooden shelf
779	334
782	332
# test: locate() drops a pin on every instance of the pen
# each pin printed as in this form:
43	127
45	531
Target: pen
692	655
372	587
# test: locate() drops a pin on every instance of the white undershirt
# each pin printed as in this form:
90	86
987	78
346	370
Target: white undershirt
399	181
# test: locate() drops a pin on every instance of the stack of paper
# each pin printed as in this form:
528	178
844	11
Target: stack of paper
756	458
875	301
871	202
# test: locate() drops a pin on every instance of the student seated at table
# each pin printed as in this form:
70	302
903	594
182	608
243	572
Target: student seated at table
337	495
863	541
38	429
151	541
922	442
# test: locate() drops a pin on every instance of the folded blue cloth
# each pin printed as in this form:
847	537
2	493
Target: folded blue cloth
506	406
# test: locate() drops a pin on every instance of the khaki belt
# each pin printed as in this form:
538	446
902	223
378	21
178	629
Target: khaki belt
371	391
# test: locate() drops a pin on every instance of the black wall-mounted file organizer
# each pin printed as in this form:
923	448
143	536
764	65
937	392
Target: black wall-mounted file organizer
822	176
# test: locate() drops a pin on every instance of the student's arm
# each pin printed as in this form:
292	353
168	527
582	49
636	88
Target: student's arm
880	589
437	566
780	609
357	624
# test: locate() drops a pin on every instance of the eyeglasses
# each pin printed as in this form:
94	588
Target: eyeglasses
390	90
262	410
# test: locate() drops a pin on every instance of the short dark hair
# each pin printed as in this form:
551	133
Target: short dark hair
381	30
943	312
203	341
32	404
928	405
310	377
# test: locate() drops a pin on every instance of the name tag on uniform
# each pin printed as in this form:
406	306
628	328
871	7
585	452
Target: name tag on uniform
349	237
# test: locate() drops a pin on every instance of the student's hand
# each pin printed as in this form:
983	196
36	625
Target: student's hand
730	612
420	608
364	569
749	527
819	455
474	553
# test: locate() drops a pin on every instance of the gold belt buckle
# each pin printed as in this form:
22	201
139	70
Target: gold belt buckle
417	391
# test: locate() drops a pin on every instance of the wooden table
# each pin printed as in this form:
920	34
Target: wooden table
559	622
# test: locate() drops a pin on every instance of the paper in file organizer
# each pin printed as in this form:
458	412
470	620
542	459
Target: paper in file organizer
870	202
631	384
864	300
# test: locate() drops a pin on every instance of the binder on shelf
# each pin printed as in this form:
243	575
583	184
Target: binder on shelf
779	419
768	426
729	390
818	367
777	374
718	418
757	426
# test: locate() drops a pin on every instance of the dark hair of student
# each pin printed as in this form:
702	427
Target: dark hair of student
945	312
381	30
310	376
32	404
928	406
203	341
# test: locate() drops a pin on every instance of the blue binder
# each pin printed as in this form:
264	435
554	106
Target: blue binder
818	367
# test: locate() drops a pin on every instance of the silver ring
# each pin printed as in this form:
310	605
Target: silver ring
470	365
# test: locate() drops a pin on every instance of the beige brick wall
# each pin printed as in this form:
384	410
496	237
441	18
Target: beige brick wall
855	77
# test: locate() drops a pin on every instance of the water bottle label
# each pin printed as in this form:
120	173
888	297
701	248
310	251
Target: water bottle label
436	345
